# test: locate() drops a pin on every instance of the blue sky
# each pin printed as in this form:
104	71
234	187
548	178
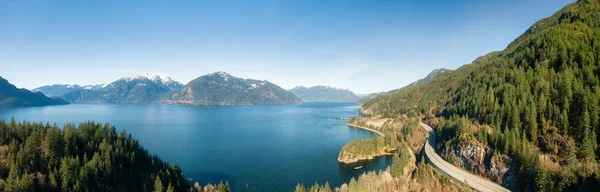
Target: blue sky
365	46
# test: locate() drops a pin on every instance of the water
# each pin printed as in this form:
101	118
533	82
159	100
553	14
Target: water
263	147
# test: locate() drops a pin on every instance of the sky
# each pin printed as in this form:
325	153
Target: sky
364	46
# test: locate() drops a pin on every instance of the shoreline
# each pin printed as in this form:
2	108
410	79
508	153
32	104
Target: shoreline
366	128
369	157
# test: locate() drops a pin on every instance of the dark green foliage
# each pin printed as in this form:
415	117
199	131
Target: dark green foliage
399	161
90	157
361	148
545	86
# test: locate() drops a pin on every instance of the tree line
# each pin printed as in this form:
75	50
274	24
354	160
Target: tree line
86	157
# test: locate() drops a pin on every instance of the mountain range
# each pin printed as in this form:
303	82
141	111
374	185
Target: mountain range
322	93
61	89
218	88
145	88
11	96
221	88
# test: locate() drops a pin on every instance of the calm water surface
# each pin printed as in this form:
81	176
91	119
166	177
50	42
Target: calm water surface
255	148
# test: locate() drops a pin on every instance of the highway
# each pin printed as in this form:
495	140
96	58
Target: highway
455	173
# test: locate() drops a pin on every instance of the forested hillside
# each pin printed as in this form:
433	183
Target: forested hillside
536	102
88	157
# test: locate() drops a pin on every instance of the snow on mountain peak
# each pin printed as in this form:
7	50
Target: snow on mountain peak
152	77
225	76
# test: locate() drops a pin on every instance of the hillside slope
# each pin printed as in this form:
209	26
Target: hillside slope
11	96
536	102
432	75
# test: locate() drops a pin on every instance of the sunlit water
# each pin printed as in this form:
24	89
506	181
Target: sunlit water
255	148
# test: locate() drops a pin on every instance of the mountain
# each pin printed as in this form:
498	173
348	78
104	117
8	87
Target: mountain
11	96
140	89
221	88
322	93
532	107
432	75
60	89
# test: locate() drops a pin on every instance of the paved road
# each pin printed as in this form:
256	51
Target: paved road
453	172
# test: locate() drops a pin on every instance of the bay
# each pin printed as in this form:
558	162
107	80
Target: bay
255	148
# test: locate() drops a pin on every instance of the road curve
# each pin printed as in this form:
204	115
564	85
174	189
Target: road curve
453	172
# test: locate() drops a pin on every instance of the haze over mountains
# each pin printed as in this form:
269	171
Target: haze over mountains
218	88
323	93
61	89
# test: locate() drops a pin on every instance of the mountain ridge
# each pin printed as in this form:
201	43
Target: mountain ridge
137	89
323	93
11	96
221	88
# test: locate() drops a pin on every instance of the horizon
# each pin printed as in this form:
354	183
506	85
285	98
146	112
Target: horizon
286	43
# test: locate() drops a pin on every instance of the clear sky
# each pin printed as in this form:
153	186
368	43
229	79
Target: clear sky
365	46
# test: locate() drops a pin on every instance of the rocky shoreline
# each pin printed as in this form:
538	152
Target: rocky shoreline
366	128
368	157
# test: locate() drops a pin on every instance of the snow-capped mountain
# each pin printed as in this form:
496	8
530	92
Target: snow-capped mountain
324	93
138	89
159	79
220	88
60	89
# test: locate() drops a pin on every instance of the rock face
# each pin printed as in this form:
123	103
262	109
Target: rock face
140	89
323	93
221	88
11	96
479	159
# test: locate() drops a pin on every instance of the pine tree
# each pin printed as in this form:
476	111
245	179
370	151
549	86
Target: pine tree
300	188
326	188
158	186
314	188
353	185
587	151
396	167
170	188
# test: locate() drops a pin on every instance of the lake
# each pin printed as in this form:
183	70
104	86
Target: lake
255	148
